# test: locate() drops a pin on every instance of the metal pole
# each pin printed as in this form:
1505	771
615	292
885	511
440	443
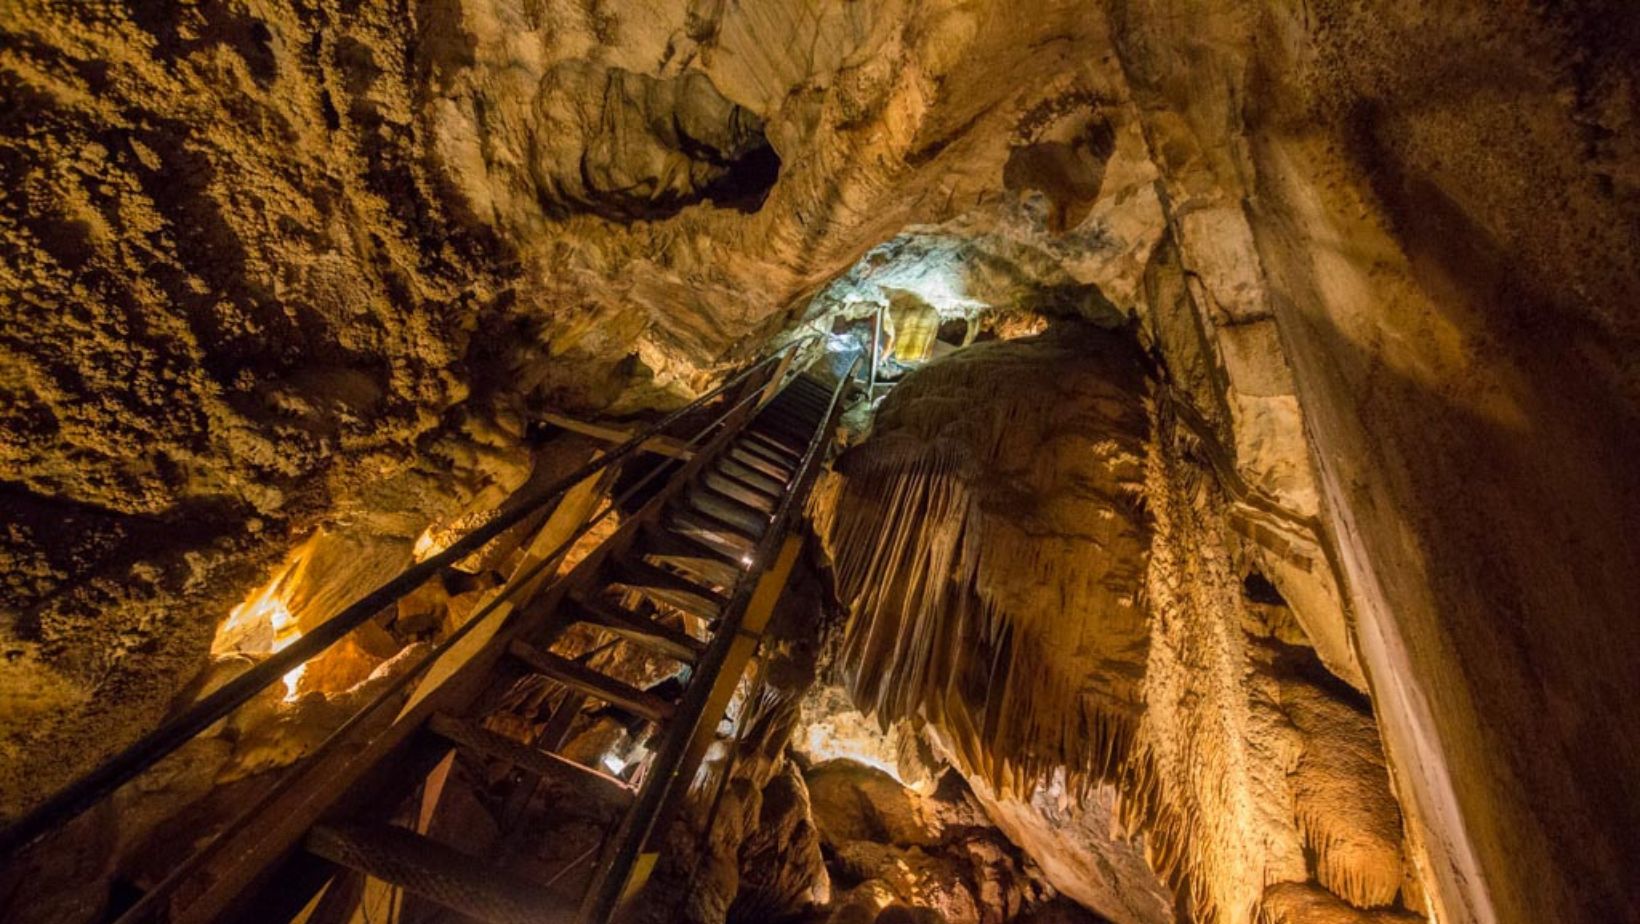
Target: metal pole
876	334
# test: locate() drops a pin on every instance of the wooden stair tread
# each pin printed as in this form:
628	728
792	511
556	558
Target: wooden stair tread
663	639
748	519
689	525
759	464
705	566
669	588
496	746
739	493
594	684
751	478
745	538
438	873
766	453
775	443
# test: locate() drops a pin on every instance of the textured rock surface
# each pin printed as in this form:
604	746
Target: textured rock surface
272	266
1235	755
279	265
990	542
1442	200
937	855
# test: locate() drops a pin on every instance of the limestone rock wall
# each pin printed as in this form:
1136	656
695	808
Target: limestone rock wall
272	266
269	266
1434	207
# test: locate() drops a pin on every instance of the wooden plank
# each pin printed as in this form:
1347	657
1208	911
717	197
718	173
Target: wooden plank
660	445
481	740
760	464
594	684
647	632
758	612
437	873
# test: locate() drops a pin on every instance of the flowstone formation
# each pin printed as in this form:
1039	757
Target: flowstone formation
1041	577
967	524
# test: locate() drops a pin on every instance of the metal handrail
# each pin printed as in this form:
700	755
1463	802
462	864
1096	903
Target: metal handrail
658	790
68	803
155	899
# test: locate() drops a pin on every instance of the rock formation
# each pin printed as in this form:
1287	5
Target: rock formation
1311	596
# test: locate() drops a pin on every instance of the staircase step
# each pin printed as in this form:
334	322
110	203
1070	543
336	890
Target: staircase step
803	397
739	493
662	541
769	441
706	567
495	746
669	588
790	424
717	536
707	518
594	684
665	640
759	464
749	477
765	451
438	873
749	520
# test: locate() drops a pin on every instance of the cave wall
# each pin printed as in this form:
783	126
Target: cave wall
277	266
1044	578
1437	210
274	265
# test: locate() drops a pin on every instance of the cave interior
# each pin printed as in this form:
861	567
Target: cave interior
1181	455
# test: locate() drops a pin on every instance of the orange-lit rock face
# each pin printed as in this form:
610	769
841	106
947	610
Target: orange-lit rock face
993	520
1042	578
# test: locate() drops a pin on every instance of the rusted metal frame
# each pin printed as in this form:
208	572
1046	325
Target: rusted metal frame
668	770
332	771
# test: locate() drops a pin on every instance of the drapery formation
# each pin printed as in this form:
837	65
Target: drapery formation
1041	575
990	543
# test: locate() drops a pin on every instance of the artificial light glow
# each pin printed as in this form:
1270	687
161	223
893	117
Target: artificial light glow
264	624
614	764
267	608
427	545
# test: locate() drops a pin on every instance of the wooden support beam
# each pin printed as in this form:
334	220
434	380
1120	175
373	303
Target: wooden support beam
576	508
660	445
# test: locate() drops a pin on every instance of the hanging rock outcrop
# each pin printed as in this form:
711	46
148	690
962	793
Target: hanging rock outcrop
1236	759
993	520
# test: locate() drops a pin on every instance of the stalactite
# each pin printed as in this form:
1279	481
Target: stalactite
1039	568
971	570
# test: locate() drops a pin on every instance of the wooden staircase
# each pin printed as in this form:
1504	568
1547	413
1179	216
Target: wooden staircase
686	559
689	578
